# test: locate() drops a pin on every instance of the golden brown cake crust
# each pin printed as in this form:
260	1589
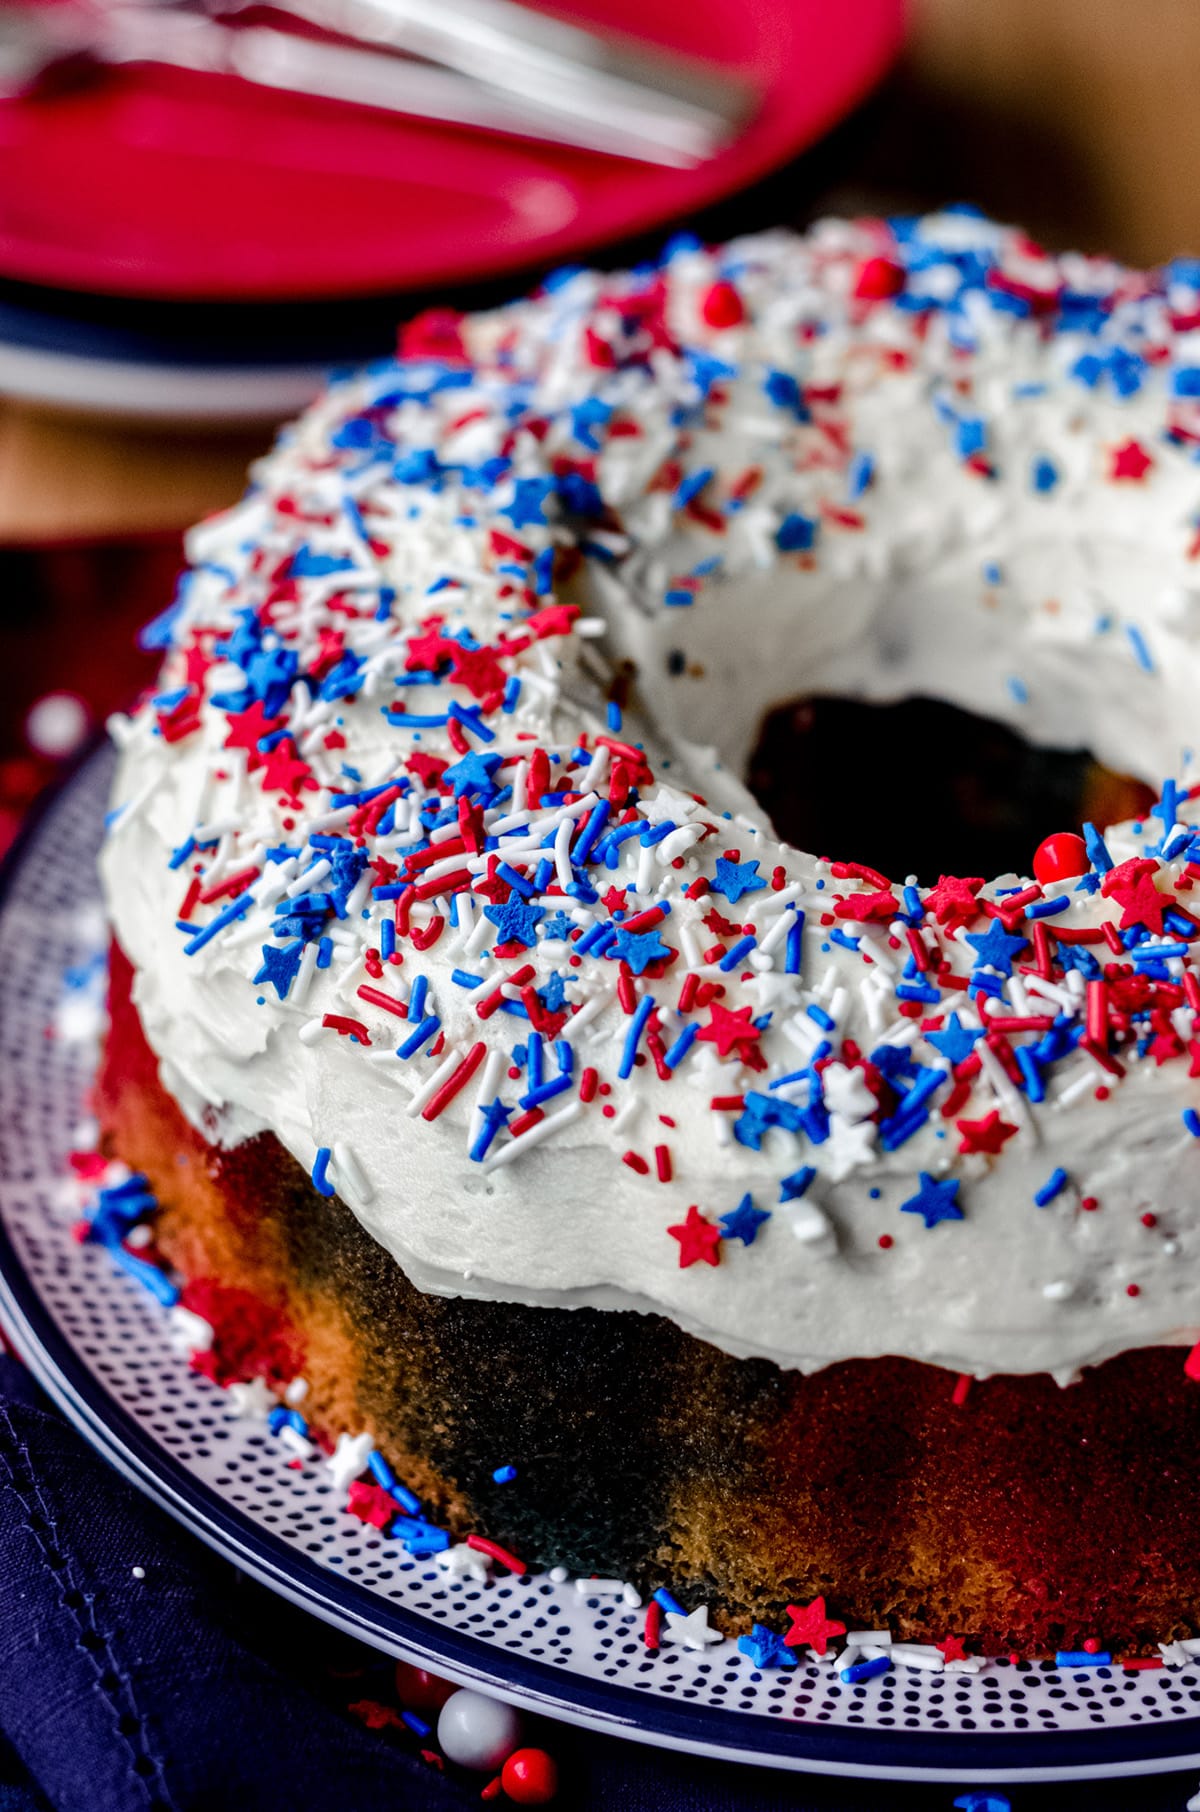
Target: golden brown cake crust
1027	1517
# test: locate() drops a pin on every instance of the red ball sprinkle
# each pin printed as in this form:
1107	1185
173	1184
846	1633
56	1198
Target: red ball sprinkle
1149	1220
1133	1289
721	306
886	1241
877	279
419	1690
1090	1203
1062	856
530	1777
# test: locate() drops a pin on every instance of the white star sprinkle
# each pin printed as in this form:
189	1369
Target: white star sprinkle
187	1332
847	1147
251	1402
846	1092
462	1562
772	988
691	1630
348	1459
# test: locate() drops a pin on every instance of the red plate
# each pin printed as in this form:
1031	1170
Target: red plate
164	183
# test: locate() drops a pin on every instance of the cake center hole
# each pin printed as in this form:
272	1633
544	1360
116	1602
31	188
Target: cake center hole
923	787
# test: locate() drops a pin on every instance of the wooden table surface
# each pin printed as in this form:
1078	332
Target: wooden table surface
1080	118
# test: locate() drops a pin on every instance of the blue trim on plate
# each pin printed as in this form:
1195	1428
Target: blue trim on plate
152	337
202	333
955	1756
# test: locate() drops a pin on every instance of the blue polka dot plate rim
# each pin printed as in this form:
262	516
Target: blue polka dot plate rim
100	1346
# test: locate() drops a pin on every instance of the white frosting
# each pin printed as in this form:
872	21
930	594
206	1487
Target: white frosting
1070	611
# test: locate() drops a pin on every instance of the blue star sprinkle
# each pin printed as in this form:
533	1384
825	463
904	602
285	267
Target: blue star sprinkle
995	947
766	1649
744	1221
473	774
279	965
554	993
529	497
558	925
796	533
586	417
494	1116
638	948
515	921
955	1041
733	879
793	1187
269	673
934	1201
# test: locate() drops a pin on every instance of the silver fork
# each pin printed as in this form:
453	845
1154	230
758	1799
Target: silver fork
511	46
536	90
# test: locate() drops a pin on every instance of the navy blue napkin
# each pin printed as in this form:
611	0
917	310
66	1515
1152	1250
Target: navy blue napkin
184	1687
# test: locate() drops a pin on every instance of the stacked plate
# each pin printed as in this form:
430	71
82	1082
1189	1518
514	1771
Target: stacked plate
187	242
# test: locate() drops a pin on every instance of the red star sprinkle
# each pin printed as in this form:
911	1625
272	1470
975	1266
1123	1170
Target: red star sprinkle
598	351
374	1715
477	669
428	651
864	907
699	1239
331	645
552	619
198	664
284	771
810	1625
730	1031
987	1134
953	899
371	1504
435	334
1140	901
952	1649
492	887
1129	460
428	768
247	727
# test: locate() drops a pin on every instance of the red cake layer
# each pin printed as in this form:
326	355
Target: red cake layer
1024	1516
